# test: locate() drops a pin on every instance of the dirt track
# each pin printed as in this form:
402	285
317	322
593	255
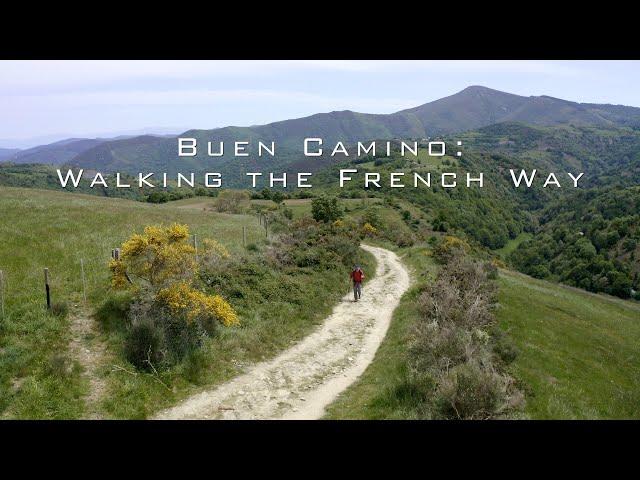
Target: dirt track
300	382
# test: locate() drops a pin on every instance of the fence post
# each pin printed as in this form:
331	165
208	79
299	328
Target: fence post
46	287
195	245
244	236
84	282
2	293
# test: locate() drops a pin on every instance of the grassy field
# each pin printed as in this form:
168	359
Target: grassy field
578	351
578	355
56	230
512	244
38	376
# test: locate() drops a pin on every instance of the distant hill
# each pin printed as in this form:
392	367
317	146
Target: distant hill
7	152
472	108
55	153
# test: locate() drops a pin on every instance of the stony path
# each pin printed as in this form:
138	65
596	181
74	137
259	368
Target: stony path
300	382
90	353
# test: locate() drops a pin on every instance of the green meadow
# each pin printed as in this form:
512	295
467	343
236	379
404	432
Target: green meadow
40	378
577	352
56	230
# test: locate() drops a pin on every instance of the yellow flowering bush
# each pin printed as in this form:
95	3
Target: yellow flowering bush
181	299
214	248
158	256
369	230
449	247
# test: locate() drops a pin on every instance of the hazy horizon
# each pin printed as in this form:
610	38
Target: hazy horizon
55	100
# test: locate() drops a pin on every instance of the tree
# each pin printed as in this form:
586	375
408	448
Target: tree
232	201
278	197
326	209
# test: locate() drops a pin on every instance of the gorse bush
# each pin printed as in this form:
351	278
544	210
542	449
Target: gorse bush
449	248
170	316
182	300
159	256
451	350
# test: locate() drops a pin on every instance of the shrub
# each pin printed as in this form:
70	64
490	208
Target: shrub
195	306
232	201
169	316
372	217
369	230
143	345
113	309
326	209
157	257
405	239
450	247
60	309
469	391
451	347
504	347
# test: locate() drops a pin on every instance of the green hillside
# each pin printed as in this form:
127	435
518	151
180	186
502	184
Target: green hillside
472	108
39	375
576	353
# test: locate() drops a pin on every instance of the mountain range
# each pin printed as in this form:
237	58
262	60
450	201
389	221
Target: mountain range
471	108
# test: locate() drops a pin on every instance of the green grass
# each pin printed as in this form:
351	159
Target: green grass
55	230
512	244
272	319
578	351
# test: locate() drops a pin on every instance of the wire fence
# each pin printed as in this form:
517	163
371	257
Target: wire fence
86	274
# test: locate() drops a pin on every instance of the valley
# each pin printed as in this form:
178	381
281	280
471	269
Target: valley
541	210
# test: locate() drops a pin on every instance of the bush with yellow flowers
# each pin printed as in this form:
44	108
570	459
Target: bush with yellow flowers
157	257
182	299
369	230
169	316
450	247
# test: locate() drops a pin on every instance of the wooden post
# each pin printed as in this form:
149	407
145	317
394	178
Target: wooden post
46	287
195	245
84	282
2	293
244	236
266	227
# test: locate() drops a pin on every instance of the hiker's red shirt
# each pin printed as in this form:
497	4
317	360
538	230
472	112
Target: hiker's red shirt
357	276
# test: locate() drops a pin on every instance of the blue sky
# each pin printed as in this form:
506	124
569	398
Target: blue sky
57	99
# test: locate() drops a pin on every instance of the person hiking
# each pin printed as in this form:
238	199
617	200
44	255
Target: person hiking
357	275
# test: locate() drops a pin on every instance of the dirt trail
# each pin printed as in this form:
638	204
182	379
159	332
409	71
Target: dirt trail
300	382
89	352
